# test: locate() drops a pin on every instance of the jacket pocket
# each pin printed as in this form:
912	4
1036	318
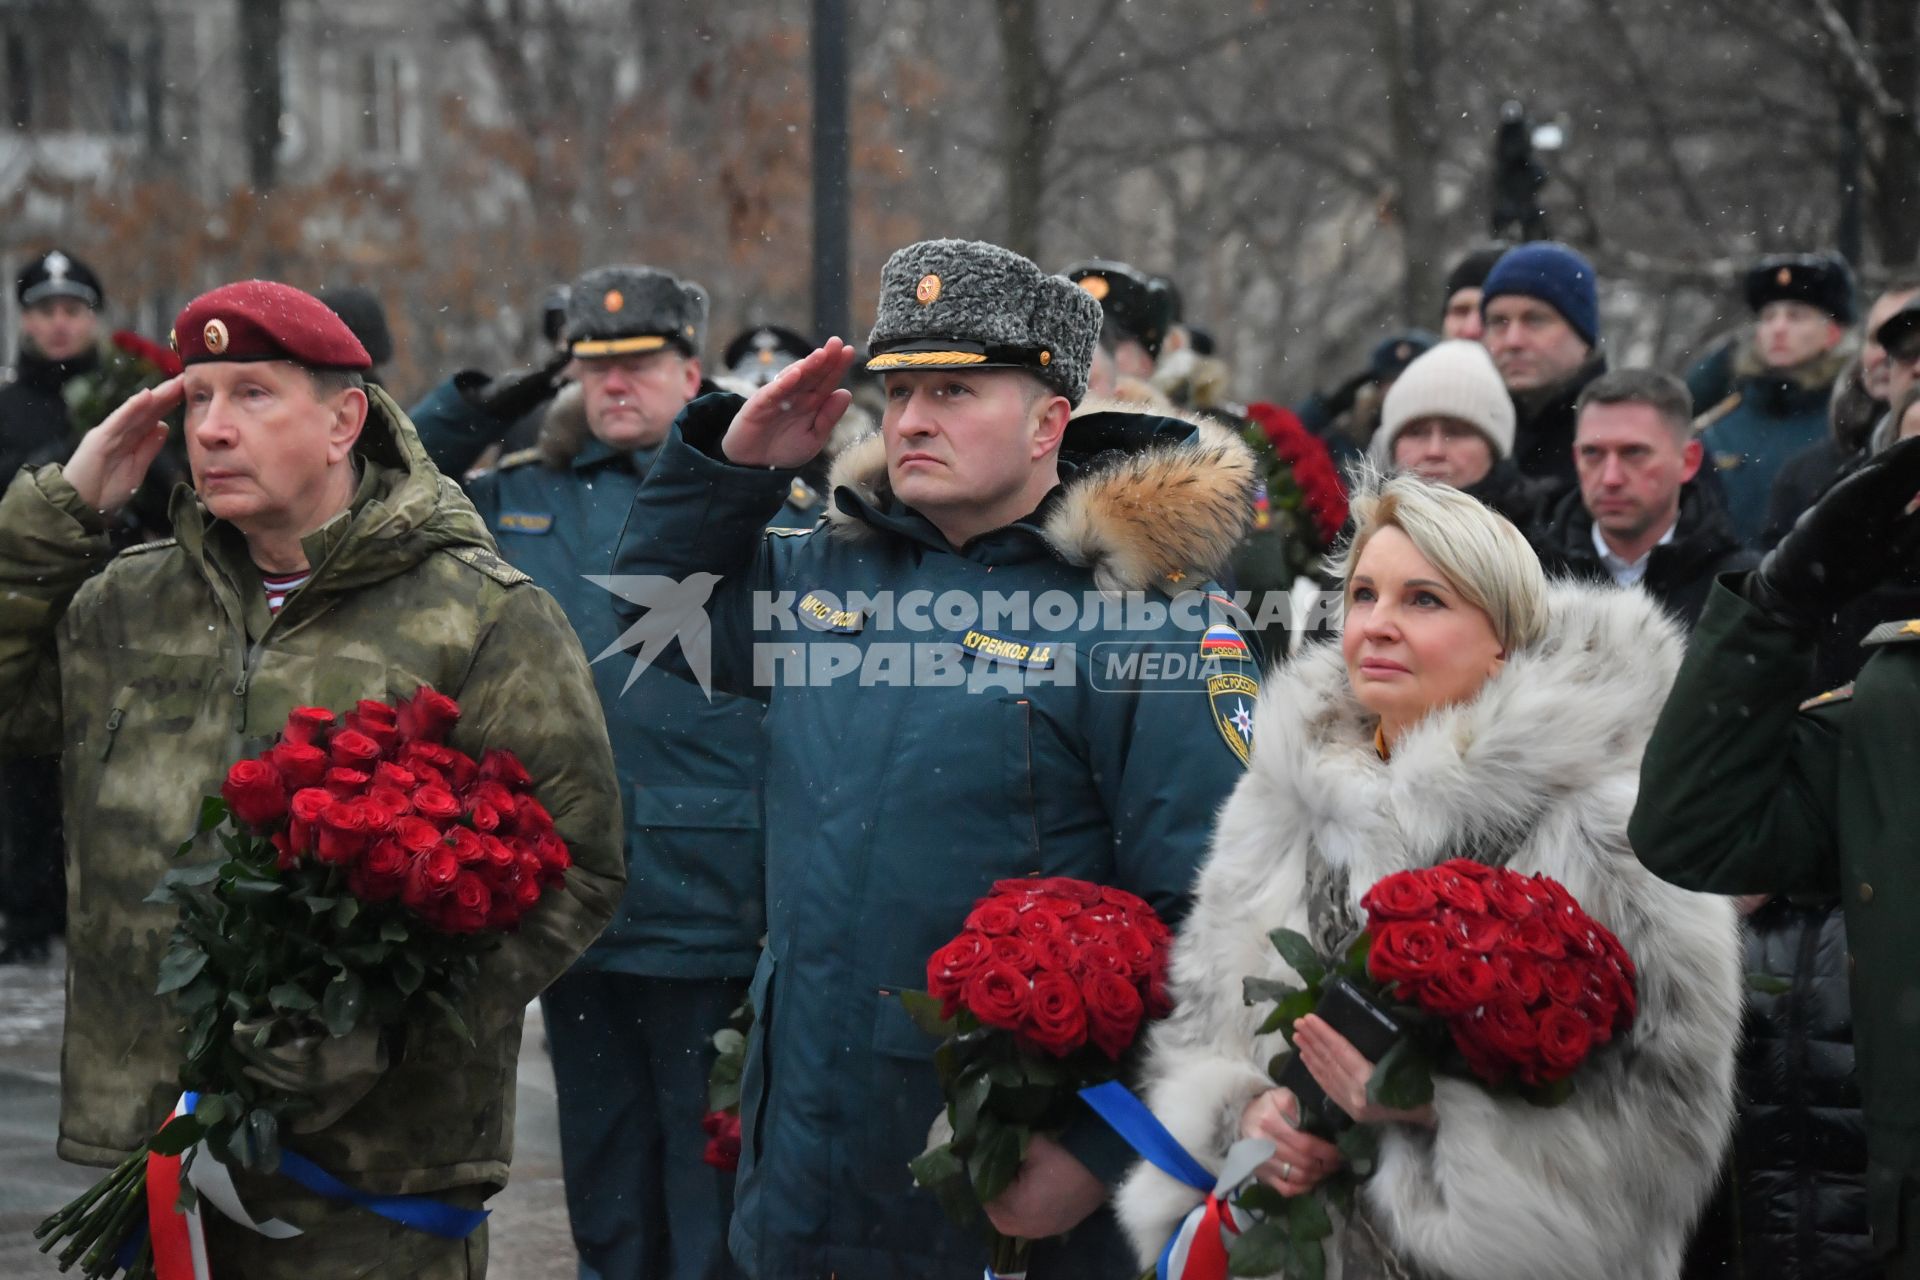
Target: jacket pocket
1017	751
902	1098
696	808
1886	1192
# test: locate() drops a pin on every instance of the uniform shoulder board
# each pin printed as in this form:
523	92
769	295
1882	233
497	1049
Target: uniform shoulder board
1716	413
158	544
490	564
1843	694
1892	633
780	531
802	496
518	458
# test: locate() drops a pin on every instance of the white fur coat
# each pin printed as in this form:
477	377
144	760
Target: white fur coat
1543	762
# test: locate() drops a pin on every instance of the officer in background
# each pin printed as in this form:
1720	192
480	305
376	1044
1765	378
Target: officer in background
962	751
756	356
631	1023
1137	311
472	412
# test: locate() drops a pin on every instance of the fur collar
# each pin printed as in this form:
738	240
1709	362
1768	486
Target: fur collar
563	429
1821	371
1131	518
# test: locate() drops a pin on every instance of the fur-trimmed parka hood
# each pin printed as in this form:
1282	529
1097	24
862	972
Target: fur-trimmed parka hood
1538	772
1144	497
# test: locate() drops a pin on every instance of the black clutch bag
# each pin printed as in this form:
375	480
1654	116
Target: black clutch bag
1366	1026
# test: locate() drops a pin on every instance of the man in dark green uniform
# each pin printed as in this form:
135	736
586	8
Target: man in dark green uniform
1741	792
631	1022
951	700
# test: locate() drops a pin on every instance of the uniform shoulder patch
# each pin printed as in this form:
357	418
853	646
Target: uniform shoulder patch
490	564
1231	696
1893	633
1843	694
1716	413
158	544
518	458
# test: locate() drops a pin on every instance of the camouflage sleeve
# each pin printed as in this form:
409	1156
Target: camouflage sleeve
529	691
50	544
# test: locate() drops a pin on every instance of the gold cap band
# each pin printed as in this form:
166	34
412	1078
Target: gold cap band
922	360
619	346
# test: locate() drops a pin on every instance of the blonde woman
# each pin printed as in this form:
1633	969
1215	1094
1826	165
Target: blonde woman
1473	710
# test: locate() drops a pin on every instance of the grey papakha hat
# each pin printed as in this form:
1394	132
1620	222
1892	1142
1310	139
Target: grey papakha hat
966	304
617	311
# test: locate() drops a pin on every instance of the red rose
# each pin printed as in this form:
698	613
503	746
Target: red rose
1056	1018
428	716
467	848
382	874
1102	957
1519	976
1114	1011
492	793
1131	903
997	994
497	858
1562	982
429	877
1159	1000
483	816
397	803
1404	895
1468	869
1408	951
306	807
526	893
416	835
1469	932
347	784
723	1140
1508	1030
1539	938
379	815
389	774
287	857
352	749
1464	983
531	819
307	725
300	763
1036	923
467	905
1481	1059
376	720
436	804
1135	948
1565	1041
1508	899
343	833
461	771
1456	890
256	793
1052	953
554	858
1017	952
1015	889
504	768
993	917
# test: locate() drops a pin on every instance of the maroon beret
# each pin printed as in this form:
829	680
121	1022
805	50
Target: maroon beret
261	320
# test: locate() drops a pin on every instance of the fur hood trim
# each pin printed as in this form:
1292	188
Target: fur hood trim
563	429
1539	771
1131	518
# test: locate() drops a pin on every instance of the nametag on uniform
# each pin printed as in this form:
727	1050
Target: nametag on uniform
821	616
1032	656
1728	461
526	522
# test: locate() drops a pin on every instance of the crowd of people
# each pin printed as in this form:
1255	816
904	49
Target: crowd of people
896	684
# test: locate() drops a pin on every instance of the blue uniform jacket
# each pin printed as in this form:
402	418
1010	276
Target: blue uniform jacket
918	754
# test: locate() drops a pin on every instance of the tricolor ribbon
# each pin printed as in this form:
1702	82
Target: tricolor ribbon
1198	1250
179	1235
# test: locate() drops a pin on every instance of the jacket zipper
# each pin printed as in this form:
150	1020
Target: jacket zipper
114	717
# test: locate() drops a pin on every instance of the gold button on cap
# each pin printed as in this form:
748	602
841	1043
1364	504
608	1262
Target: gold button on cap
216	336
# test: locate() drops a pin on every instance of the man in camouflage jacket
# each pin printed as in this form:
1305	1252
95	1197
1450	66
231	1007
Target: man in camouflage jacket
153	670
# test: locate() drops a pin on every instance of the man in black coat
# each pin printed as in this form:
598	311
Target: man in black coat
1541	305
1637	517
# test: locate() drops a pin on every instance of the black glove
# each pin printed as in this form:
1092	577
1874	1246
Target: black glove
513	395
1341	398
1851	540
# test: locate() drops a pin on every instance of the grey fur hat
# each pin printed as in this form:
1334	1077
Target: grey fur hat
966	304
616	311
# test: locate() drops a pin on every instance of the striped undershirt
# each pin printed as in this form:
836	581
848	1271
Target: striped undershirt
281	585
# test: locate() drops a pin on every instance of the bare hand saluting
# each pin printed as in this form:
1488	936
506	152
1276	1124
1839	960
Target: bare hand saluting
113	458
787	422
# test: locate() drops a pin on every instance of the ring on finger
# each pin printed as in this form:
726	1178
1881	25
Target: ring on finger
1286	1171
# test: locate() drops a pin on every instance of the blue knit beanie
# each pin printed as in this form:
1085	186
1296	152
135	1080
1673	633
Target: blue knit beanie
1554	274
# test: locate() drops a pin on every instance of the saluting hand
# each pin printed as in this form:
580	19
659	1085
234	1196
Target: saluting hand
787	422
113	458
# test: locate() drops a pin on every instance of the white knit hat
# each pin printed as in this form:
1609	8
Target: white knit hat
1456	379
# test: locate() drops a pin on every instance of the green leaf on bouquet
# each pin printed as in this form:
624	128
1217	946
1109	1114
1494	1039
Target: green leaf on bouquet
318	904
183	878
925	1012
1255	990
409	971
181	965
210	1110
995	1160
345	910
202	993
1259	1198
1549	1095
176	1135
1261	1250
452	1015
213	811
1299	955
1403	1079
291	997
968	1099
1307	1218
1361	1147
1768	985
342	1003
936	1165
1309	1260
1353	966
1287	1012
393	931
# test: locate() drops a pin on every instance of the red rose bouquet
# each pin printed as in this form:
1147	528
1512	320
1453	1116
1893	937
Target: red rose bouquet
1044	990
1463	969
368	867
722	1121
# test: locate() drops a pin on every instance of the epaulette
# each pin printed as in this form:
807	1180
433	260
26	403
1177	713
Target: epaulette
802	496
518	458
490	564
1716	413
1893	633
1843	694
158	544
779	531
